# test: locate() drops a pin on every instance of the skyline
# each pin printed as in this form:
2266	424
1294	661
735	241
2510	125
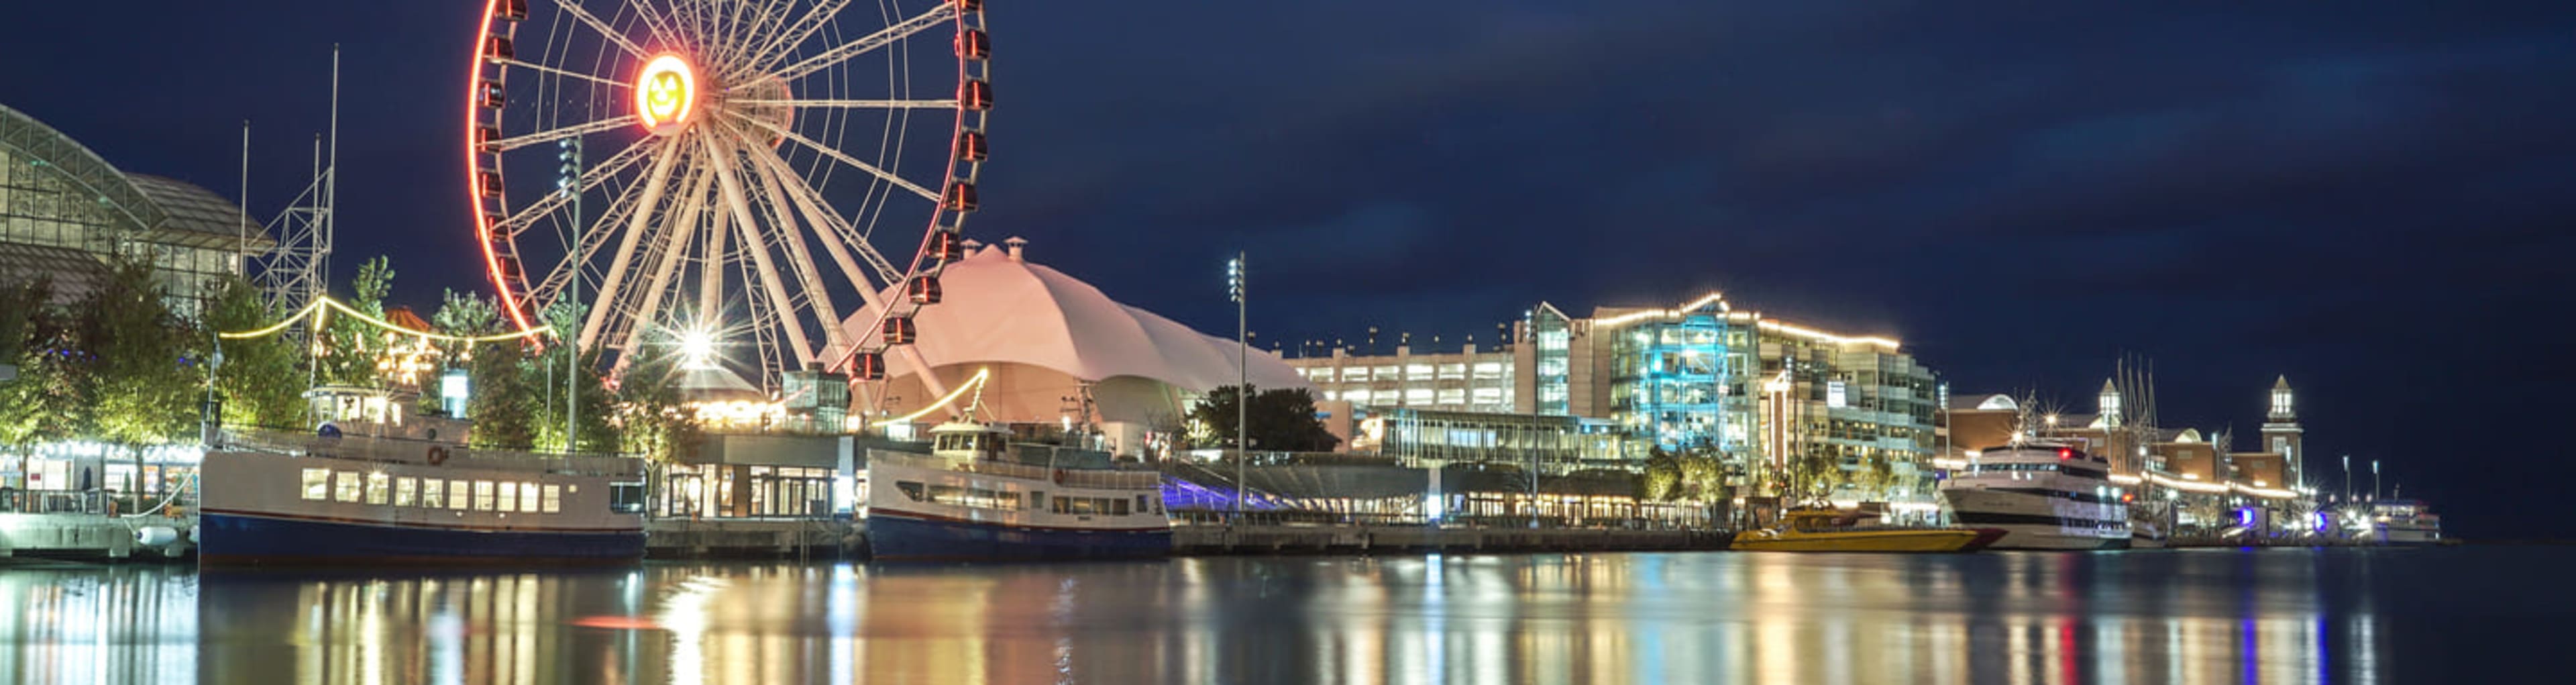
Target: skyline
1878	171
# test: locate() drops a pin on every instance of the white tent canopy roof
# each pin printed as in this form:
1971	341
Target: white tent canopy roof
999	309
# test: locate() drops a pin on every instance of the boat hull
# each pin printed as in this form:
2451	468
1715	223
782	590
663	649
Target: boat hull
245	539
2032	521
905	537
1923	541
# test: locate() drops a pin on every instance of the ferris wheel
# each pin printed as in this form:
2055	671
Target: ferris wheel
712	179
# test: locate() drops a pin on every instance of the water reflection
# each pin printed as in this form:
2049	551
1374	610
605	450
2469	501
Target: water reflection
2220	616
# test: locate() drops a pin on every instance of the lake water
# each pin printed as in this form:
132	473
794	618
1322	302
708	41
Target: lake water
2208	616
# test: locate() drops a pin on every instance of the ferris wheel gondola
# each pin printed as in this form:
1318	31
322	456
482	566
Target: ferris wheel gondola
753	150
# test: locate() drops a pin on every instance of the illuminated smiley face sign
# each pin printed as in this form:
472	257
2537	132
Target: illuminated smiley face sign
665	92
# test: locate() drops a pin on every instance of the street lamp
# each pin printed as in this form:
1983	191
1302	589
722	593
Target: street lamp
1242	373
568	151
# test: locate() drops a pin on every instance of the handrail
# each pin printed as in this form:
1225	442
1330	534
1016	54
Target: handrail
1072	477
402	451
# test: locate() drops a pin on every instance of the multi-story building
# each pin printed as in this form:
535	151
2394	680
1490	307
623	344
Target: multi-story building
64	212
1755	388
1468	380
1698	376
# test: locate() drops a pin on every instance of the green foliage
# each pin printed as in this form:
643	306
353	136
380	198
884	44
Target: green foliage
350	347
48	401
261	380
462	314
146	375
650	417
1282	419
1697	475
504	405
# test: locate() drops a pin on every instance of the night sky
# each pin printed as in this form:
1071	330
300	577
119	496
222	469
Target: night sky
2376	199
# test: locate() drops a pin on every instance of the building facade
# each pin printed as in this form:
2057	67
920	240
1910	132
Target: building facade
1698	376
1468	380
65	212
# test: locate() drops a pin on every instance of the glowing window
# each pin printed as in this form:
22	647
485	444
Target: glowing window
483	495
433	493
406	491
348	487
379	488
554	498
509	497
528	498
458	495
317	484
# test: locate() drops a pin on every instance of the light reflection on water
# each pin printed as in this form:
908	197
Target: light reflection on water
2204	616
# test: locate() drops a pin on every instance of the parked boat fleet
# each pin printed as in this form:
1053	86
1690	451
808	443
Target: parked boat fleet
328	498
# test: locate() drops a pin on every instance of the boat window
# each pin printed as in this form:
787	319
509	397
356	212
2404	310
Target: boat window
1037	500
1140	505
626	498
509	497
433	493
346	486
1082	505
379	488
527	498
317	484
554	498
482	495
1118	507
458	495
406	491
911	491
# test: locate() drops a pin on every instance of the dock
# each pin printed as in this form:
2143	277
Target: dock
775	538
95	536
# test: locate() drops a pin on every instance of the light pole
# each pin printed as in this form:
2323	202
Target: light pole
1242	374
2374	482
569	152
2347	478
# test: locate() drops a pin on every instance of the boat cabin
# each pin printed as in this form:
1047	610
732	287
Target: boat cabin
966	441
377	412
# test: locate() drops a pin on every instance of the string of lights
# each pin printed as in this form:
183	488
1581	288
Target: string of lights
320	304
962	389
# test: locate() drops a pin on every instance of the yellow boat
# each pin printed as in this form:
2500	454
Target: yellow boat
1827	530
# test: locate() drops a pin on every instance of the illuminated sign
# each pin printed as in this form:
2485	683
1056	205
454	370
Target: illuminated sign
665	93
1835	396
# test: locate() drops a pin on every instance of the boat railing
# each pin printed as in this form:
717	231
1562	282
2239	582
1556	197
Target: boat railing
1079	478
408	451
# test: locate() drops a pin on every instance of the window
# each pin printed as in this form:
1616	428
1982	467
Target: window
406	491
1489	370
626	498
317	484
1386	373
1118	507
1417	396
554	498
433	493
348	486
1356	373
458	495
1140	504
1453	396
483	495
1453	371
1419	372
527	498
509	497
379	487
1489	395
1356	396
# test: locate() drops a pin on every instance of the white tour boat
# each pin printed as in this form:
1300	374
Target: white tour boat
968	501
2043	496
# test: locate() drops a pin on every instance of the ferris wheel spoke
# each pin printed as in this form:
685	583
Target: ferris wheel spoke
592	242
581	129
800	259
653	21
735	200
672	252
524	64
854	104
844	158
795	33
809	204
605	31
639	219
616	164
864	44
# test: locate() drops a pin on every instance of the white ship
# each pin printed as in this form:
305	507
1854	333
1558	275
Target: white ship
968	501
2043	496
2405	522
287	499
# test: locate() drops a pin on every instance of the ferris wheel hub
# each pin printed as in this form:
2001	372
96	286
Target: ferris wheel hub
666	94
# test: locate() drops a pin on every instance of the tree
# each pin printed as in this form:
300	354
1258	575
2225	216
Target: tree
461	314
652	421
48	401
549	367
350	347
146	377
260	380
1280	419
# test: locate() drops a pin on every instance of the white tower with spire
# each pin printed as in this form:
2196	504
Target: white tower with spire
2281	431
2108	404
